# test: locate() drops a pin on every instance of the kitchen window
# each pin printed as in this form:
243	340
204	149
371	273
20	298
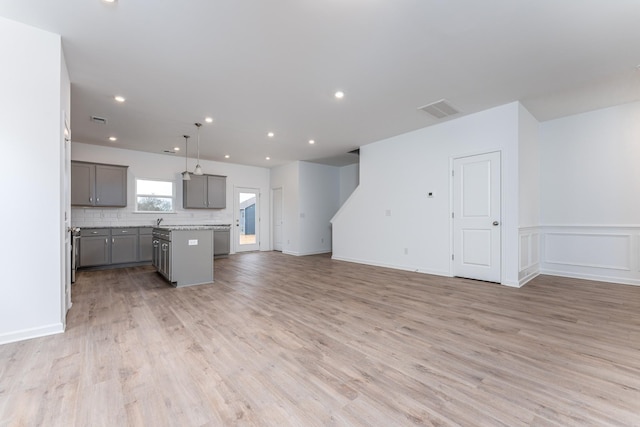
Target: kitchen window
153	195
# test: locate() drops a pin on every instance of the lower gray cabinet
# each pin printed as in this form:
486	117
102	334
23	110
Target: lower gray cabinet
145	244
111	246
95	247
124	245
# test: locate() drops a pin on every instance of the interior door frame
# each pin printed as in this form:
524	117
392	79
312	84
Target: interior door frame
66	217
273	218
451	206
236	217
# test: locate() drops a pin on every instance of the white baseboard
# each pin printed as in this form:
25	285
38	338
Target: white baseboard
26	334
326	251
392	266
595	277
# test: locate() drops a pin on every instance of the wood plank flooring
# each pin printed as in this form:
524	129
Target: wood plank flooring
307	341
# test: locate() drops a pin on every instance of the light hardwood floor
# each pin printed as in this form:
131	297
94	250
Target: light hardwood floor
307	341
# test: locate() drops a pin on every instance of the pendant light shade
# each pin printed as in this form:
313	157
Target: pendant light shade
198	169
185	174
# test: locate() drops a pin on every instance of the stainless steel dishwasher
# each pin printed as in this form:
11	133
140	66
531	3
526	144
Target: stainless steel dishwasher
221	240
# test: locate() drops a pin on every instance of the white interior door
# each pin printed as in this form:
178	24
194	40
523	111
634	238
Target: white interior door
247	213
476	217
277	219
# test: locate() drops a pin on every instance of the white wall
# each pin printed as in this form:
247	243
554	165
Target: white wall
349	180
311	196
389	211
319	201
528	196
590	182
34	88
287	178
166	167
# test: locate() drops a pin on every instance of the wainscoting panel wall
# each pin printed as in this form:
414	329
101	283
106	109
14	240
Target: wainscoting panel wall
529	257
605	253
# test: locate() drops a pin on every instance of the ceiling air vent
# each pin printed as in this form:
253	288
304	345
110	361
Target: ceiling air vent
99	120
439	109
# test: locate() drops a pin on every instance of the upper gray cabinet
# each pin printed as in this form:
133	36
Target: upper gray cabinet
205	192
95	184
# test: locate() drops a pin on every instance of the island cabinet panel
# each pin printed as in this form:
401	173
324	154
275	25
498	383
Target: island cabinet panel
205	192
98	185
184	254
145	244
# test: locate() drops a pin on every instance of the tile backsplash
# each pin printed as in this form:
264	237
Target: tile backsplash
95	217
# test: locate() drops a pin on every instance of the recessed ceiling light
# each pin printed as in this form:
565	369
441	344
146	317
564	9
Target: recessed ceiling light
311	141
339	94
113	138
119	98
108	1
176	148
226	156
267	158
271	134
208	119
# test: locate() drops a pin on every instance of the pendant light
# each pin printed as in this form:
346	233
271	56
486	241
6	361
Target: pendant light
185	174
198	169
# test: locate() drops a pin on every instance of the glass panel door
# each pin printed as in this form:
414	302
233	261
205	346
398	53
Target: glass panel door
247	219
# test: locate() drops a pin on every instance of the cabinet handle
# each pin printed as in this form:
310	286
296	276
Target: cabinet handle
94	232
113	240
98	199
106	241
91	199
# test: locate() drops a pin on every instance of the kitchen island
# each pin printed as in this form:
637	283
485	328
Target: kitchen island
184	254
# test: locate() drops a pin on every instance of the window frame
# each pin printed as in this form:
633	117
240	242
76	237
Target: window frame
172	197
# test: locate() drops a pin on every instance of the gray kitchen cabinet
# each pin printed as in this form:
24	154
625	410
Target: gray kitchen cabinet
100	247
124	245
194	193
185	254
165	259
205	192
83	178
216	192
95	184
145	244
155	252
95	247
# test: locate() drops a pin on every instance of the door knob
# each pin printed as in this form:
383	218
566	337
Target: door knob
496	223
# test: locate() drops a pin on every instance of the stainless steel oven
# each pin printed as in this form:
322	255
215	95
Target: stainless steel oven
75	242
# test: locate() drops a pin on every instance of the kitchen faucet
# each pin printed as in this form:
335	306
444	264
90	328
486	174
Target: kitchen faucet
158	221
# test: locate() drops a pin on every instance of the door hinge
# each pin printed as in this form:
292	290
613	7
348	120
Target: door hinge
452	215
452	173
451	257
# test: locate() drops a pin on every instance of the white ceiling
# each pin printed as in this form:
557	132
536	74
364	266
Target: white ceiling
257	66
